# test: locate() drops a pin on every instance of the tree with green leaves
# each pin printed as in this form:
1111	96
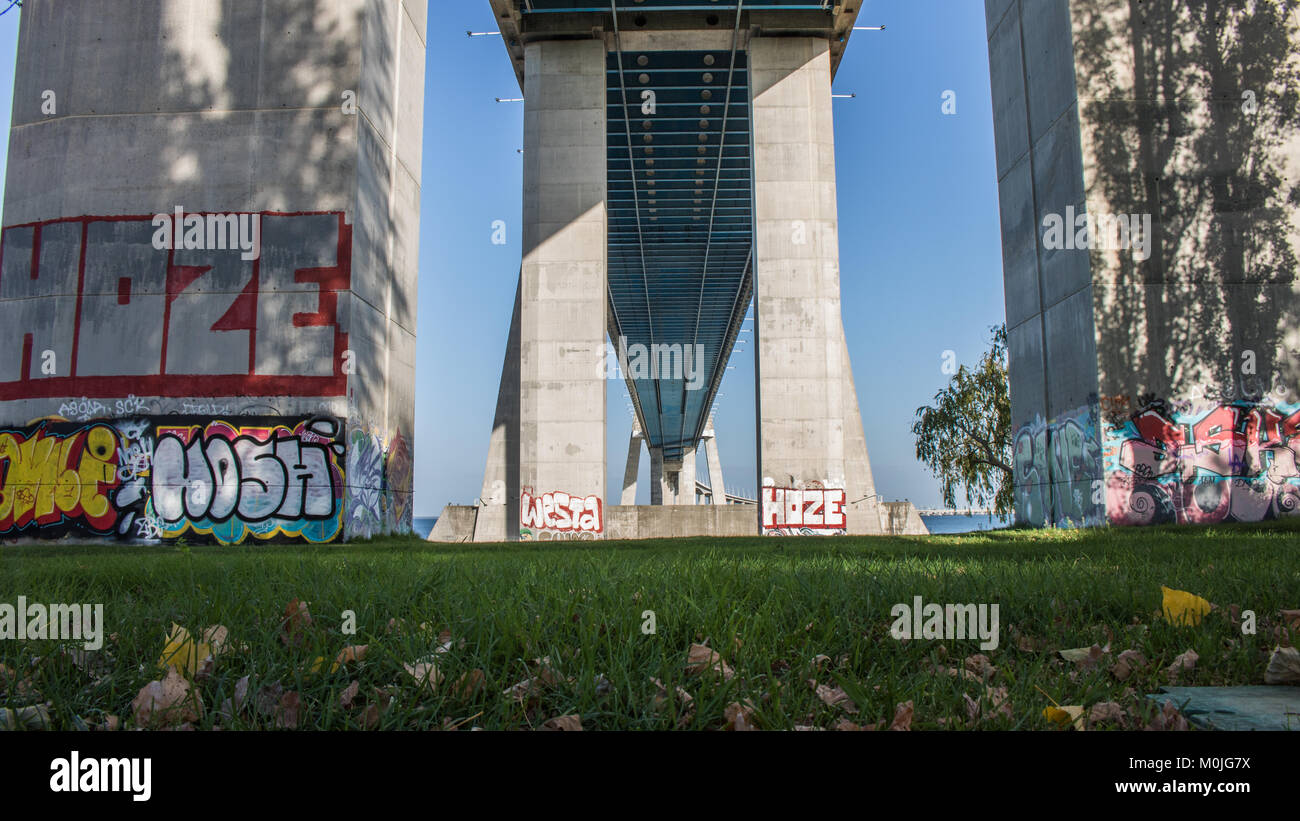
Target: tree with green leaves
965	436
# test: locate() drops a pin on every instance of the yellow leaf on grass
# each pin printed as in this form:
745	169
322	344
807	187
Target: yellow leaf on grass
1065	716
1183	608
182	653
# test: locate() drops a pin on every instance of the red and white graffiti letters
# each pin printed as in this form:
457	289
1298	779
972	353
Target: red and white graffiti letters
85	302
560	513
807	511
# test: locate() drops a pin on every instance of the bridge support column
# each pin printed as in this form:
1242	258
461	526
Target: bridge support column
563	295
714	465
658	483
810	432
1149	311
633	465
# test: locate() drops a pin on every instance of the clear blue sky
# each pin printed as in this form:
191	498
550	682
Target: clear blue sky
920	254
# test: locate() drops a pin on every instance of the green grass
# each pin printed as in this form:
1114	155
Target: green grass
769	606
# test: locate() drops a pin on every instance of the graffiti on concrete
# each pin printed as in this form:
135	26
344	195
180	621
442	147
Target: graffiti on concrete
810	511
58	480
559	515
1057	468
235	480
1203	464
156	478
87	301
398	474
379	484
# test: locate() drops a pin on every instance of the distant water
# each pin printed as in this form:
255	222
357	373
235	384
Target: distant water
421	525
963	524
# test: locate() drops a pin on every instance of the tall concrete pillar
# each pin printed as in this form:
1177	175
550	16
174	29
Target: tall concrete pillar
658	481
1146	159
714	463
498	502
686	479
562	461
801	359
209	253
633	465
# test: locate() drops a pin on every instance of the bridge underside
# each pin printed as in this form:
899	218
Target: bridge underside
678	168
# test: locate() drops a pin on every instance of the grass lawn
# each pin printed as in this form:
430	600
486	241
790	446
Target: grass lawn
770	608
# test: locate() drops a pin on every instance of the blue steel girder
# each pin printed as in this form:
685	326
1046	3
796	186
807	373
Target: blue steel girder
680	230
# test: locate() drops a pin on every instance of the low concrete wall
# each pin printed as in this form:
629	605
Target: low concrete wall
456	524
675	521
902	519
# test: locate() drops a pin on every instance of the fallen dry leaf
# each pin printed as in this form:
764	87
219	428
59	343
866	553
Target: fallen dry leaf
1291	618
1168	719
1183	663
166	703
425	674
286	717
32	717
1086	658
700	658
369	719
569	723
1129	662
1182	608
349	695
1283	666
183	654
834	697
902	717
293	628
468	684
1065	715
980	665
350	654
685	701
1106	712
739	717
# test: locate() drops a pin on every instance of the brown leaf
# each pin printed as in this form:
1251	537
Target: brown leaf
349	695
425	674
1087	658
1168	719
1185	662
1106	712
350	654
972	707
836	697
980	665
293	628
166	703
700	658
999	700
1283	666
286	716
217	638
686	704
369	719
1129	662
1291	618
469	684
569	723
902	717
739	717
